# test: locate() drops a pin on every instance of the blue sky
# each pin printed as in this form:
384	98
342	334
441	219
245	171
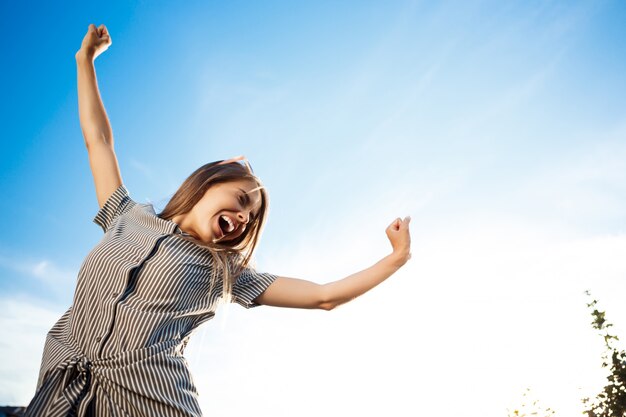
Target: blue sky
500	127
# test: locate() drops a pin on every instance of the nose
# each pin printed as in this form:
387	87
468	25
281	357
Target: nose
243	217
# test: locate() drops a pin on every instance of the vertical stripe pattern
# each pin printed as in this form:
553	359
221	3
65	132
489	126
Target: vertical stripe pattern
140	294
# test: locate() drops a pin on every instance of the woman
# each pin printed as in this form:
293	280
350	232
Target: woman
153	279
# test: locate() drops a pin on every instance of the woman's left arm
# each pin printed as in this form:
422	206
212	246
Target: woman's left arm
298	293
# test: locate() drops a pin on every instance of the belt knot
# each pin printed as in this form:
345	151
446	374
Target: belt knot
78	388
82	363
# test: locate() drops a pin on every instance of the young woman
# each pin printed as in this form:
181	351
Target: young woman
154	278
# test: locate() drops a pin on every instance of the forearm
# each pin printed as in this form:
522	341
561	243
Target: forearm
352	286
299	293
94	122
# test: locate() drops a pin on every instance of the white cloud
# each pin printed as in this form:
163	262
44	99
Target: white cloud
24	324
57	279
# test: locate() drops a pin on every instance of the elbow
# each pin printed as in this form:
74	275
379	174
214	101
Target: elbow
330	303
329	299
327	305
325	299
94	138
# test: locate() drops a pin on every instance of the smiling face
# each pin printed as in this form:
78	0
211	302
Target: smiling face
223	213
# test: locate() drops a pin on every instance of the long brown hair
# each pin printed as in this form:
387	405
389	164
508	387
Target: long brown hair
233	256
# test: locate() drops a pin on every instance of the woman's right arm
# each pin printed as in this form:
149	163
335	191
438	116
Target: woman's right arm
94	122
299	293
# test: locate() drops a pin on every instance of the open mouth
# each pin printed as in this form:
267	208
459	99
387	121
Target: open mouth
226	224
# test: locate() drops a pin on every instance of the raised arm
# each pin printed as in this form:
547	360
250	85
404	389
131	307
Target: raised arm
298	293
94	122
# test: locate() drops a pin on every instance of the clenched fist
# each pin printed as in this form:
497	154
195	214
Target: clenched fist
96	41
400	238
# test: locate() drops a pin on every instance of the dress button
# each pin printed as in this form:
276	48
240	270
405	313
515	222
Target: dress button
98	339
114	294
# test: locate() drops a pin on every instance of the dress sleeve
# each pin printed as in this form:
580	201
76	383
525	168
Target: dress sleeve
249	285
118	203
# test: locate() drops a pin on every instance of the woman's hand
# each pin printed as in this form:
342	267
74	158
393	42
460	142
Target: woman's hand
400	238
96	41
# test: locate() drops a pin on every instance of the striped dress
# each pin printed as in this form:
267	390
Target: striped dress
118	350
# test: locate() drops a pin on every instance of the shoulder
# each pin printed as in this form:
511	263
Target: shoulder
118	203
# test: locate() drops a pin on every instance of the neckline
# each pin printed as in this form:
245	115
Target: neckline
180	231
176	228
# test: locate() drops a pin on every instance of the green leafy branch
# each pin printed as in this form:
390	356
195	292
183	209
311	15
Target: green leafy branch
611	401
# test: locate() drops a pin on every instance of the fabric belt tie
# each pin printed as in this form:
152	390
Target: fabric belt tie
65	389
78	388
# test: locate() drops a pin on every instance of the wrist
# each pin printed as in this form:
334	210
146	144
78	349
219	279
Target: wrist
84	57
399	257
